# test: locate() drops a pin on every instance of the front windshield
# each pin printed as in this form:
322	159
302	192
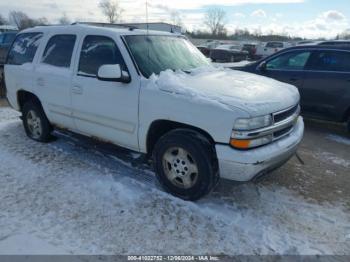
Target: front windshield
154	54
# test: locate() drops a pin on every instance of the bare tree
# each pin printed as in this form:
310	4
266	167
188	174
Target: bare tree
3	20
64	20
215	20
23	21
111	9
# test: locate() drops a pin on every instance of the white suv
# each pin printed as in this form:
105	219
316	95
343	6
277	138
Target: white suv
154	93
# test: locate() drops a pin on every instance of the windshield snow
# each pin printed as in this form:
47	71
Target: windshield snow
154	54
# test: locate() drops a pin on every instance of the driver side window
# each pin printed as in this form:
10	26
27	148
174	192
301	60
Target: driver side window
97	51
289	61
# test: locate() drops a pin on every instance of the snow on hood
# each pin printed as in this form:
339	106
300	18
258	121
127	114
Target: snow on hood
229	88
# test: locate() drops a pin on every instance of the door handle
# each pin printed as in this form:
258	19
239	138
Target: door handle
78	90
40	81
293	79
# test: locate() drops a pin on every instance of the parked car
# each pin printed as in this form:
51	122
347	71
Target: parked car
335	43
321	73
228	53
6	40
269	48
204	50
251	49
196	124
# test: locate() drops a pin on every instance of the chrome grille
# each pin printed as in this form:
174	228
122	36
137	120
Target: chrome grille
280	116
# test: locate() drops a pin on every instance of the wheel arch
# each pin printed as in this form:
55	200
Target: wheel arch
23	96
161	127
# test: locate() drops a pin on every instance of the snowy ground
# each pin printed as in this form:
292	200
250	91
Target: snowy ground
73	196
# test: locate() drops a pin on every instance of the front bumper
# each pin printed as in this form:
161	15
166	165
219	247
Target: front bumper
242	166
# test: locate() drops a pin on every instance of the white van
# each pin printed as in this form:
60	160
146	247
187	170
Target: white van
154	93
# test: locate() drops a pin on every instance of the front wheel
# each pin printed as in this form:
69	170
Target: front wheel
185	164
35	122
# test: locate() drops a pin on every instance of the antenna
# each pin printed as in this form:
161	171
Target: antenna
147	23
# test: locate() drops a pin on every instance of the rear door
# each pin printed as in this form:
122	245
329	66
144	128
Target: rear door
327	80
288	67
53	78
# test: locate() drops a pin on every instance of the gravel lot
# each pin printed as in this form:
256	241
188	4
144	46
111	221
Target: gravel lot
74	196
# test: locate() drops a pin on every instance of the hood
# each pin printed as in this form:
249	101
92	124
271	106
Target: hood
254	94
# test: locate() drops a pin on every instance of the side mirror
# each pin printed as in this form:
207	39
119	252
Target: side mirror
262	66
112	73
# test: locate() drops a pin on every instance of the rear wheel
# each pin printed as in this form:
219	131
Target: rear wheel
185	164
35	122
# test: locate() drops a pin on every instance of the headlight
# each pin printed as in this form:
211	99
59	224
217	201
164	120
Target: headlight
246	124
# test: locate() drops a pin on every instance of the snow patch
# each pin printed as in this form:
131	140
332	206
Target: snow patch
339	139
69	201
326	156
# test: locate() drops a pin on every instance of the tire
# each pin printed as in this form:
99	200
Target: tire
35	122
348	124
185	164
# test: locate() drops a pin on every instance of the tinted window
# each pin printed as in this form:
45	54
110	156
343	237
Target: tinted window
24	48
331	61
289	61
59	50
97	51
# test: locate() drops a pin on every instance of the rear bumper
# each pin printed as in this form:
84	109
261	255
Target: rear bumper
245	165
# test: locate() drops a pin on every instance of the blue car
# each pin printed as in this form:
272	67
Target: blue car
320	72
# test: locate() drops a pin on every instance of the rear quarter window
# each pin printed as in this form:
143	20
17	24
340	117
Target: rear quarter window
333	61
24	48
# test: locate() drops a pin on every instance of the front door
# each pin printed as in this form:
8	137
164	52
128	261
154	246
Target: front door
289	68
102	109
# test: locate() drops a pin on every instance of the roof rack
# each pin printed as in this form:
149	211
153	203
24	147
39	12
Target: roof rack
131	28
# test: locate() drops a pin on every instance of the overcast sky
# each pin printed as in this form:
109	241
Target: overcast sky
306	18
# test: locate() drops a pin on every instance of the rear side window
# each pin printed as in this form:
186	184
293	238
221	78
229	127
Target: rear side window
336	61
24	48
59	50
97	51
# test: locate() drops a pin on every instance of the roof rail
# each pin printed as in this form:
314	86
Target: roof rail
131	28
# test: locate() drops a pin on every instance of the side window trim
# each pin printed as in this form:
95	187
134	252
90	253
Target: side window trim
79	52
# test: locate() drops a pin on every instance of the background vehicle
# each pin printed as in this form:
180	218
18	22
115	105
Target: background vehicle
269	48
6	40
195	125
335	43
228	53
321	73
204	50
251	49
